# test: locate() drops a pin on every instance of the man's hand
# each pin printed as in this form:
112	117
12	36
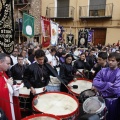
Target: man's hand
33	91
10	81
94	88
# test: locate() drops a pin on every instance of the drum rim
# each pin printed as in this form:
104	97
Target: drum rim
99	110
61	116
88	90
38	115
76	94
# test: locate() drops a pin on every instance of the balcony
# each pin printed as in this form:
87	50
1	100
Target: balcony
96	11
21	2
60	12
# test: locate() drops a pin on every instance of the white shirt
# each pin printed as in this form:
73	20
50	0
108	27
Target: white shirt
14	59
52	59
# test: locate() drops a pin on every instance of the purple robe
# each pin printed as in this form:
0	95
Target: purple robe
107	81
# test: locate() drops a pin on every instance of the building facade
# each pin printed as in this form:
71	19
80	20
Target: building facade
102	16
32	7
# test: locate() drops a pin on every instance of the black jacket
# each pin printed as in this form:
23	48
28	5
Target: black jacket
97	68
66	72
17	71
92	60
79	64
33	76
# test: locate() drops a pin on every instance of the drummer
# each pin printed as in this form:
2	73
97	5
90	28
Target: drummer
107	82
36	75
101	63
82	63
67	72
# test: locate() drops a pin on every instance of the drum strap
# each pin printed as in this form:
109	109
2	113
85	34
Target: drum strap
54	73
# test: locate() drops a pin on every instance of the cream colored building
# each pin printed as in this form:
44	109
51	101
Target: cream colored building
103	16
32	7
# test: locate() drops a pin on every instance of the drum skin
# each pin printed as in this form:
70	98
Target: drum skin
60	102
87	84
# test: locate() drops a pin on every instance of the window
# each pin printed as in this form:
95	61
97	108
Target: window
97	7
62	8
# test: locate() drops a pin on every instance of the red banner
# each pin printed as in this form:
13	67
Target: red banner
46	31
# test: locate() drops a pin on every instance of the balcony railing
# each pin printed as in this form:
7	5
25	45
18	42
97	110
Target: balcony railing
21	2
60	12
96	11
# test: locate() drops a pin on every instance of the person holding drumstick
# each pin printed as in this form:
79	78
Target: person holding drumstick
107	83
82	64
101	63
36	75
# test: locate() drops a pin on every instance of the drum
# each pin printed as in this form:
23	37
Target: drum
95	105
86	94
53	85
41	117
82	84
24	97
59	104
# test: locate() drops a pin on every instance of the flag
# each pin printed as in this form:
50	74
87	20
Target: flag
46	31
90	35
6	26
54	33
28	25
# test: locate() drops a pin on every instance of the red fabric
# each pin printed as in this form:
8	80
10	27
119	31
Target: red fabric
46	39
16	108
4	98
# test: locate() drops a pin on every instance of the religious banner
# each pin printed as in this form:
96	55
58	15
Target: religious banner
90	35
54	33
70	38
46	31
60	33
83	38
6	26
28	25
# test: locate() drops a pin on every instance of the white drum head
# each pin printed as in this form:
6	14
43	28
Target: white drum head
93	105
24	91
56	103
82	86
42	118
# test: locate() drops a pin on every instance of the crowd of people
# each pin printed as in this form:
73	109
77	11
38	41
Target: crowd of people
35	65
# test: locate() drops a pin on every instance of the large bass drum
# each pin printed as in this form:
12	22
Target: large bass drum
41	117
82	84
60	104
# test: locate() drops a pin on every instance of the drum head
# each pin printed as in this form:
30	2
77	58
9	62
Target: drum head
82	86
86	94
93	105
57	103
41	117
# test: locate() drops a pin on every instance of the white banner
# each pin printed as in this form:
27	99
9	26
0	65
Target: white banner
42	26
54	33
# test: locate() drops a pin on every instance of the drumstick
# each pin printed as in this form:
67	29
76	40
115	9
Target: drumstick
56	75
82	74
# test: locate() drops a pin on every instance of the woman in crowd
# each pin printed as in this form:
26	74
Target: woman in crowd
67	72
